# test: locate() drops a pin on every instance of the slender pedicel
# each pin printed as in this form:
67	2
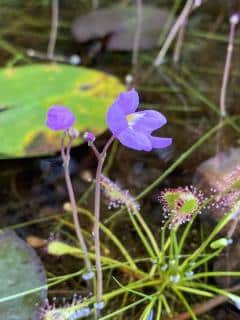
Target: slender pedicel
90	138
65	152
234	20
60	118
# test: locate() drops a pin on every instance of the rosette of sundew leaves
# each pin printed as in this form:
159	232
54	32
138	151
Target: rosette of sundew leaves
22	278
180	204
27	93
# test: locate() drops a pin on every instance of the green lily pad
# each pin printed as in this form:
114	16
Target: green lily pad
27	93
20	270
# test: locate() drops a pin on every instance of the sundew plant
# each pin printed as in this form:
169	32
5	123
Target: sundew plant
171	280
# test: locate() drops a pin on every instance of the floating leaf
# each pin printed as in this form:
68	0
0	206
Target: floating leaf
120	24
28	91
20	270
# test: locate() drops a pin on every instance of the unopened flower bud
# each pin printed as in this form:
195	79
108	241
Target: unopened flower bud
197	3
220	243
234	19
67	207
74	133
99	305
89	137
75	59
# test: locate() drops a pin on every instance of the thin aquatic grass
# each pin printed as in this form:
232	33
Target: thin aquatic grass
184	302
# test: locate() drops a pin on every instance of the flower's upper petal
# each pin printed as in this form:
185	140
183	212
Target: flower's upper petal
135	140
158	143
128	101
147	121
59	118
116	119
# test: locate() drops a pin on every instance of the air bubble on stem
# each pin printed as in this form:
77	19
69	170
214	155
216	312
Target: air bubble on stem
99	305
78	314
88	276
164	267
189	274
175	278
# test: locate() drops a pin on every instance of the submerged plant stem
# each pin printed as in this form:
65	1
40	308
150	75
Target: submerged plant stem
54	29
137	38
173	32
65	153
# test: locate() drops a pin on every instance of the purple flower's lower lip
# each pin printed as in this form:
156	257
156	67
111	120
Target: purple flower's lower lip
59	118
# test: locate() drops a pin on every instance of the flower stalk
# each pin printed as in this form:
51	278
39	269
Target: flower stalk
96	230
234	20
65	153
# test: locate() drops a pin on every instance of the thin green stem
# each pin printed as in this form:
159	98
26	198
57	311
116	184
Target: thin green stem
202	247
141	235
184	302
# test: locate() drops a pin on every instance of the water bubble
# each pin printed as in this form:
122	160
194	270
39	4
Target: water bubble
78	314
150	315
175	278
99	305
88	276
189	274
164	267
75	59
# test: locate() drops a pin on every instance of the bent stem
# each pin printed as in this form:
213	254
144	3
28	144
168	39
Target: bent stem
65	153
100	157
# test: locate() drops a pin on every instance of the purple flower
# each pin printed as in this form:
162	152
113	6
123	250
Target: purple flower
134	129
59	118
89	137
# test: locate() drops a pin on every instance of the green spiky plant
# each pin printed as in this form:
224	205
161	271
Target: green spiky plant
167	278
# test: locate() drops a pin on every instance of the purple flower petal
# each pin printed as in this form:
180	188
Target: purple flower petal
128	101
135	140
59	118
116	119
134	129
158	143
147	121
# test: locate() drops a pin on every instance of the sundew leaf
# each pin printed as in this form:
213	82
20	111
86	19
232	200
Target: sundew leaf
171	198
190	205
20	270
27	93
